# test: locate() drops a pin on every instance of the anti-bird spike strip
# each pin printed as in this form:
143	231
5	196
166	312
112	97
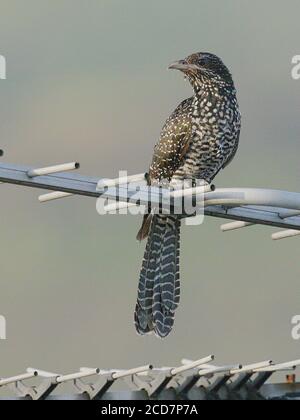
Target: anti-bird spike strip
138	380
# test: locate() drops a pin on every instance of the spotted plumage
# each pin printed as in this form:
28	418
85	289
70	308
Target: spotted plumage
198	140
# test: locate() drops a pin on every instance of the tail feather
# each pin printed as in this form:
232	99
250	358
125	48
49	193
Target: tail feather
159	286
144	231
145	293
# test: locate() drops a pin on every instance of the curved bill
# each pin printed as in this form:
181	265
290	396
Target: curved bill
183	65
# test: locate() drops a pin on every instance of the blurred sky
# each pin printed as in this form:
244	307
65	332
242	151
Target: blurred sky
87	81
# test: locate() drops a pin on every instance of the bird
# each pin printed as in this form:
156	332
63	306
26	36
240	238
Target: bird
197	141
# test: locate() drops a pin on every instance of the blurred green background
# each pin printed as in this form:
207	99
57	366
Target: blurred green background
87	81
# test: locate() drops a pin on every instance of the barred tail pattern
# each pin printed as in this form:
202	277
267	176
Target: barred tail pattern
159	285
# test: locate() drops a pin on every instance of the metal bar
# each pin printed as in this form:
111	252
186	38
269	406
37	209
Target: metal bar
118	205
219	383
66	182
214	201
256	217
240	381
22	377
107	183
226	196
261	379
180	193
53	169
281	212
284	214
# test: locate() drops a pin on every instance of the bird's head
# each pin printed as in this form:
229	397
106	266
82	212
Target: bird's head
204	69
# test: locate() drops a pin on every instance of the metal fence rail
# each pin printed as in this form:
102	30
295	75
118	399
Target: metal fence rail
192	380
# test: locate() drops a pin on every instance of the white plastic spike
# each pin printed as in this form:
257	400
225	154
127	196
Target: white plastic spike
186	361
155	371
77	375
277	370
53	169
204	366
252	367
107	183
88	369
280	367
111	372
285	234
7	381
42	373
218	369
192	365
134	371
234	226
56	195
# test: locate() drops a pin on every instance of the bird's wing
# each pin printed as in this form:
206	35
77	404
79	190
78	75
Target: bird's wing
234	150
173	143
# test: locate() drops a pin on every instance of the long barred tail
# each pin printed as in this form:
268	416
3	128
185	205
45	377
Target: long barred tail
159	285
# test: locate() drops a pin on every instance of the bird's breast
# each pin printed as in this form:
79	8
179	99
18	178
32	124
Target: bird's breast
215	133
